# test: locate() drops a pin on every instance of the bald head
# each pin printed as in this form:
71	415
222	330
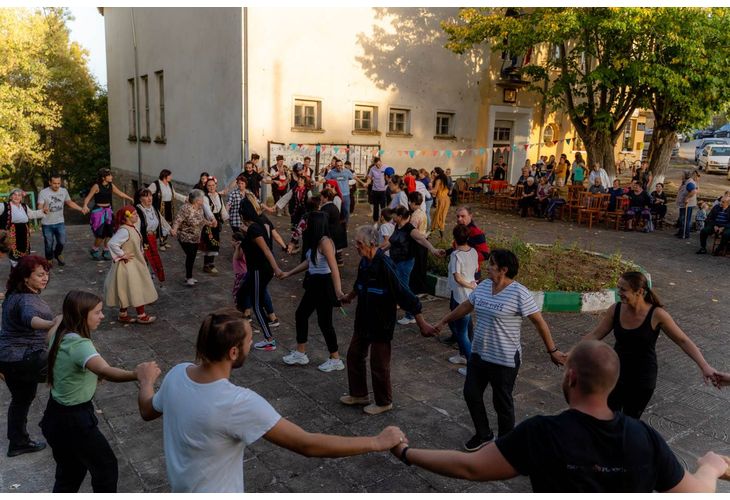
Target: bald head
595	365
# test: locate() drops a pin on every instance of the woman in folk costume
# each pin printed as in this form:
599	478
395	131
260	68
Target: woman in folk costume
15	218
101	216
210	240
128	282
152	226
163	199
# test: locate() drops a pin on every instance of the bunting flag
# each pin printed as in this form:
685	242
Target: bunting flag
412	153
448	153
527	147
336	149
567	141
318	148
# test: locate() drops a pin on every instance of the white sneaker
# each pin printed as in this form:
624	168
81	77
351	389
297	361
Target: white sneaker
406	321
194	280
190	282
457	359
331	365
462	371
296	358
265	345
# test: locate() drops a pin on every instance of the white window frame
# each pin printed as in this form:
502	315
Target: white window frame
553	133
358	118
316	115
392	113
132	110
160	75
448	115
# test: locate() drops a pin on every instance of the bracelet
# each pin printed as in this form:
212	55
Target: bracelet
555	349
403	457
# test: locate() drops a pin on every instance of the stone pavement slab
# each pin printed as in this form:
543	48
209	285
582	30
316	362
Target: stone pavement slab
428	399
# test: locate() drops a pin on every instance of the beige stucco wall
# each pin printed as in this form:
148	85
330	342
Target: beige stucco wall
200	52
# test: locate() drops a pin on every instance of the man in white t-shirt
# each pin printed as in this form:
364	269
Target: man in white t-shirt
208	420
55	198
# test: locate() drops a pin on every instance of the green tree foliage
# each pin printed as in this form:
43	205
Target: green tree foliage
586	61
75	141
688	76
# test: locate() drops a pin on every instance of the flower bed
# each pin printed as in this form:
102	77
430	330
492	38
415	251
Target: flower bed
562	278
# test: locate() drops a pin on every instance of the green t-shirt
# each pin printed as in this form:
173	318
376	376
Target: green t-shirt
579	173
73	384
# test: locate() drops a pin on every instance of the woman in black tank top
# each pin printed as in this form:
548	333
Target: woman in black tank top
101	217
636	322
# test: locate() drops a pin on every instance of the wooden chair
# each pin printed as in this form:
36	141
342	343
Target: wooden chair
502	197
515	197
465	194
578	200
616	217
596	208
715	242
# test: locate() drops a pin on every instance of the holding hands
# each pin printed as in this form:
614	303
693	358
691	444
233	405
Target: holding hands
147	373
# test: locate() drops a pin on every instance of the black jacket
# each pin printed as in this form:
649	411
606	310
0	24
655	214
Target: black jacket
378	292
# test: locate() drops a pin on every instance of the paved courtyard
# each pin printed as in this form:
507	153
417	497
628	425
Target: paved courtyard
427	389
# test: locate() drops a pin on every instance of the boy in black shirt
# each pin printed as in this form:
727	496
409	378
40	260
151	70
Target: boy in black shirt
587	448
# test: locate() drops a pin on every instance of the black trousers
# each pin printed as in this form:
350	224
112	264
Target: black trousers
191	250
630	398
417	280
316	297
79	447
255	287
378	198
22	378
480	374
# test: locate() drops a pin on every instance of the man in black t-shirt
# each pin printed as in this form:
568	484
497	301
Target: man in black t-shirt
587	448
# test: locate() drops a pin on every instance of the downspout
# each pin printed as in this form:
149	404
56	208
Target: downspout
136	104
245	151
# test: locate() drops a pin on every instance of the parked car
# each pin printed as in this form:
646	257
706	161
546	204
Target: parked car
723	131
704	142
703	134
715	158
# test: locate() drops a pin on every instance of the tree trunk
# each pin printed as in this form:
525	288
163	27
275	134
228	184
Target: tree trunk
660	152
599	147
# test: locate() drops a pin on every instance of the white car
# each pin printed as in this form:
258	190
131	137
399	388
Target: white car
704	142
715	158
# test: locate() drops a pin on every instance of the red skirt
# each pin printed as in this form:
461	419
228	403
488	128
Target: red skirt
153	256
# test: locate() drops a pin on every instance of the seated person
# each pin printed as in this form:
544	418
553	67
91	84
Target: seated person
543	195
529	196
659	201
597	187
639	203
523	178
718	223
616	192
558	197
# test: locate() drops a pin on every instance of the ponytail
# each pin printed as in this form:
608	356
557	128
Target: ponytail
637	281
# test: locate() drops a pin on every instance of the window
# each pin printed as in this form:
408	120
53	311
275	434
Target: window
501	134
366	118
307	114
549	134
132	111
146	96
627	142
399	121
445	124
161	137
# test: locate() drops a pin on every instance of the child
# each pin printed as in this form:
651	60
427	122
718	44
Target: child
701	216
129	282
385	227
463	265
239	263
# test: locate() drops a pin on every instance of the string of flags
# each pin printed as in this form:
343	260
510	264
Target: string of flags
412	153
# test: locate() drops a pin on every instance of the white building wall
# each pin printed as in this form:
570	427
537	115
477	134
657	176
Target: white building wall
200	52
374	56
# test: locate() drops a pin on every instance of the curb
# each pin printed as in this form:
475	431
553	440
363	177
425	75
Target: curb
551	301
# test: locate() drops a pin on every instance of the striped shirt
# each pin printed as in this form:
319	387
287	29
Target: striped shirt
499	320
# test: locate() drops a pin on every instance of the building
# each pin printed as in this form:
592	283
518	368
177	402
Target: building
217	84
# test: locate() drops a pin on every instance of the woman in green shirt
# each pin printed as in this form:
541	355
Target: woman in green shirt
69	423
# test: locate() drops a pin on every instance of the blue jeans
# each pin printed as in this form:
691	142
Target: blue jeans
685	222
460	330
403	272
51	231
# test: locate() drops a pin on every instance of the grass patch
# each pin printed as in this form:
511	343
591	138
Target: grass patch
556	267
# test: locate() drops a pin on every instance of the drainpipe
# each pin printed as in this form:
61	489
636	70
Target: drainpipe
245	87
136	104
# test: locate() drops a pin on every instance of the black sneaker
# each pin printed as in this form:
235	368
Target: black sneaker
702	250
274	324
447	340
30	447
476	443
61	261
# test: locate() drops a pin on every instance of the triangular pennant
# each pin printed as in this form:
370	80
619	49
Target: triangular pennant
527	146
400	153
381	152
448	153
411	153
481	151
567	141
336	149
435	152
555	143
318	148
514	147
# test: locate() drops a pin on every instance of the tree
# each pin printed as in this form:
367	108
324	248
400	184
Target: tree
590	62
53	115
688	77
25	108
